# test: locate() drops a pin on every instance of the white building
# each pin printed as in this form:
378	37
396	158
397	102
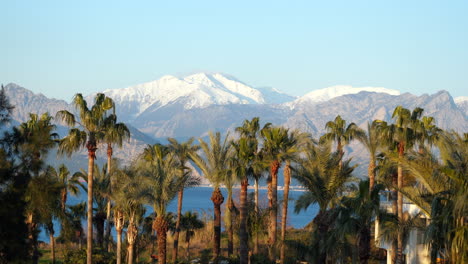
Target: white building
415	251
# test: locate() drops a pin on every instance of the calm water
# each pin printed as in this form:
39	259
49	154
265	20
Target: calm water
198	199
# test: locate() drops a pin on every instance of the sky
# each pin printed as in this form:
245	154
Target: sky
59	48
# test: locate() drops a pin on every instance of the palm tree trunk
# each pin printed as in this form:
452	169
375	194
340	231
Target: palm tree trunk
132	233
108	227
130	253
284	218
50	229
371	172
401	149
161	231
243	235
218	199
177	227
321	221
394	210
364	245
119	225
91	146
119	246
273	204
99	220
108	213
228	223
255	251
339	149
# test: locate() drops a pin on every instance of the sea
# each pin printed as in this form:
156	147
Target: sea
198	199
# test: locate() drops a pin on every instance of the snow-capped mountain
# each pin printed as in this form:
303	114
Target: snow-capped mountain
328	93
198	90
462	103
175	117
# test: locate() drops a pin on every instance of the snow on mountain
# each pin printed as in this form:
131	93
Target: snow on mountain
460	99
198	91
328	93
462	103
275	96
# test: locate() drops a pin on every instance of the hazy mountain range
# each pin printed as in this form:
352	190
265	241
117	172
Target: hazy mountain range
195	104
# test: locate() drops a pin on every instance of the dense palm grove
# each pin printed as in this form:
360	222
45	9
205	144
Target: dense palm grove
409	159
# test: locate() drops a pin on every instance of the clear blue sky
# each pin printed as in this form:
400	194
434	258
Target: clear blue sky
60	47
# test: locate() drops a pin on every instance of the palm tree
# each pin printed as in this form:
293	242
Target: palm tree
70	184
160	184
356	214
189	223
402	136
440	193
33	140
182	152
251	130
126	193
325	180
230	178
245	149
276	148
426	132
87	131
372	142
340	133
214	168
115	133
296	140
43	205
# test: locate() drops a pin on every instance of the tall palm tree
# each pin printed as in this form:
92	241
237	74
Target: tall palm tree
186	178
296	141
33	139
230	178
189	223
372	142
251	129
245	150
341	134
115	133
441	193
160	182
87	131
325	180
276	148
402	135
214	168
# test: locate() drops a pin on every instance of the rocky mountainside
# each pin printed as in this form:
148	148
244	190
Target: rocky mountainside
196	104
26	102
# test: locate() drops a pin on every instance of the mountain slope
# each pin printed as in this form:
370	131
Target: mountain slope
194	91
328	93
26	102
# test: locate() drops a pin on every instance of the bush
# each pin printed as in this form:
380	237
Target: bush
79	257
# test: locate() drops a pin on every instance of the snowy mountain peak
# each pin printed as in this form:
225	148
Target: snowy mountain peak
197	90
328	93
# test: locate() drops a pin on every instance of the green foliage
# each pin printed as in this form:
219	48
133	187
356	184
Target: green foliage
79	257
